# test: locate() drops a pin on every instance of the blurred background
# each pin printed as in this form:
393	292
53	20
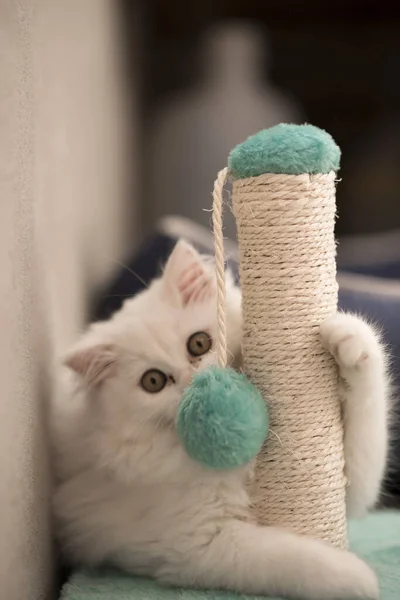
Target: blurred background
214	72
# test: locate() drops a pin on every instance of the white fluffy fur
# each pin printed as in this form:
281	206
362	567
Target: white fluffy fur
127	493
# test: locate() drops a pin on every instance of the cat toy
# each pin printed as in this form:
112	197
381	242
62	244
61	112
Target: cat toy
284	203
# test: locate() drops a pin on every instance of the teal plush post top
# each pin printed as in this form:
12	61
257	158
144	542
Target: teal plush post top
285	149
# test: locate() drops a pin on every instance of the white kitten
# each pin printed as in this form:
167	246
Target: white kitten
127	493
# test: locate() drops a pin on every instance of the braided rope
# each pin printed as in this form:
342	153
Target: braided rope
221	340
288	278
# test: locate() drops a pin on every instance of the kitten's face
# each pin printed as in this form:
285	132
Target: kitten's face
142	360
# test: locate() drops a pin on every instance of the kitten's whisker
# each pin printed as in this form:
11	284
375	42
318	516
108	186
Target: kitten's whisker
119	296
303	467
146	420
159	422
231	355
276	435
124	266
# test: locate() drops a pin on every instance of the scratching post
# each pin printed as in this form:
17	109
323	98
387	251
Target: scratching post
284	203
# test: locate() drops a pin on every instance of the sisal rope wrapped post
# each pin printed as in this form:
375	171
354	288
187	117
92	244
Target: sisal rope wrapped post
284	203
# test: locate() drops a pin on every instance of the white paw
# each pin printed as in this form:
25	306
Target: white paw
350	340
341	575
355	580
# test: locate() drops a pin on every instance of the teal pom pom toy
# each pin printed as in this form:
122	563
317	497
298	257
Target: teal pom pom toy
222	420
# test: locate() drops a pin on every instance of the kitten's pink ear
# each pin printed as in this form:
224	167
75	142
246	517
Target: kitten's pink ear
187	277
94	363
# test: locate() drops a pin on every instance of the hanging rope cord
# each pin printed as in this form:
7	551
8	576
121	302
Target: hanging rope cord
217	213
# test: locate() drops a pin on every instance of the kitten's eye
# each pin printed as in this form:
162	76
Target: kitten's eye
199	343
153	381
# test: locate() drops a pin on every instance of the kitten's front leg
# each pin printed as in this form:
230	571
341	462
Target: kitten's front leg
364	389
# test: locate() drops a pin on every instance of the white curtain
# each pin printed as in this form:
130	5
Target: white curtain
65	217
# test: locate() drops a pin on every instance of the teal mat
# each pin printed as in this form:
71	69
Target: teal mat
376	539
